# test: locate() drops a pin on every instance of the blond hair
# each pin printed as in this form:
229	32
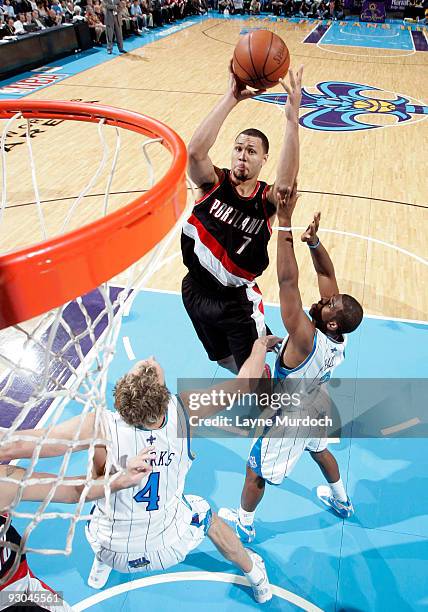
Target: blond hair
140	399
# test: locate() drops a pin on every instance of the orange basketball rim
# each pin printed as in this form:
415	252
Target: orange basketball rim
45	275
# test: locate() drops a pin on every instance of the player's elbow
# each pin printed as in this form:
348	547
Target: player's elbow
74	494
287	283
196	153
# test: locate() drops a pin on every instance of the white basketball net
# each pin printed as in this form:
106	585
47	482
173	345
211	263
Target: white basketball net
64	356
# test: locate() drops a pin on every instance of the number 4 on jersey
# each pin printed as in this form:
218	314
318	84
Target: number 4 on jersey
150	493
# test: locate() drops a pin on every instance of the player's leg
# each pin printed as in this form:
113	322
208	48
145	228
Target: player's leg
243	322
334	495
229	363
249	562
243	518
205	311
100	570
271	459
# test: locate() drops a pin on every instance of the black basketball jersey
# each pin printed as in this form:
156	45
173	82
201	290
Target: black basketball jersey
224	241
7	555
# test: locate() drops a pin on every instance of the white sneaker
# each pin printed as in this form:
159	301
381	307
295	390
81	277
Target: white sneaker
262	591
344	509
99	574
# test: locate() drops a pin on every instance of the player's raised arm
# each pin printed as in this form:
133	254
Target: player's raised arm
73	429
251	371
288	165
299	327
200	167
323	265
138	467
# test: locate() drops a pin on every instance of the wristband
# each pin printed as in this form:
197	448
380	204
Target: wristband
314	246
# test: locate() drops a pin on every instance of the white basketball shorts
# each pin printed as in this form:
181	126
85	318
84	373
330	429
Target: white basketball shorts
274	458
161	558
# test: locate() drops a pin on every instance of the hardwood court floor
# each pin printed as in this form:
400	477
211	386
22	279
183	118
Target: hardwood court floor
367	182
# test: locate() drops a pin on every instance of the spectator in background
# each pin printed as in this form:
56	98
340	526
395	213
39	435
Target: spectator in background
226	5
43	11
145	8
128	24
322	10
29	25
255	7
137	17
69	12
55	6
9	27
98	10
238	6
96	28
338	9
22	6
155	7
277	6
165	11
306	8
288	8
36	19
77	15
8	10
54	18
19	24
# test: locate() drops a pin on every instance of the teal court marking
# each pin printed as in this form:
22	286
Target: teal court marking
355	34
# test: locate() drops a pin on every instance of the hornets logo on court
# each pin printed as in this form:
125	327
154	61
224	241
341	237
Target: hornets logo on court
343	107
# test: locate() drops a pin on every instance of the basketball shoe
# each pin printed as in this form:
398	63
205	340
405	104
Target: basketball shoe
341	508
246	533
99	574
262	590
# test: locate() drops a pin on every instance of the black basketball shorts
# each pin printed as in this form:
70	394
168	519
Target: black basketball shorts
228	321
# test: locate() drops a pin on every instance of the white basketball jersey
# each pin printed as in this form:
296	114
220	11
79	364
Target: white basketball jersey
154	514
317	368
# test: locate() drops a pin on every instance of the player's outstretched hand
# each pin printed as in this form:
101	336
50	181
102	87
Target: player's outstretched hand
139	466
294	91
270	341
310	234
286	201
238	89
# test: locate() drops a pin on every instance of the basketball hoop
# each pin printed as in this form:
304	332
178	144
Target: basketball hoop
32	279
68	283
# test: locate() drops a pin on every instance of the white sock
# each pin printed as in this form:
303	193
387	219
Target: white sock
246	518
338	490
255	575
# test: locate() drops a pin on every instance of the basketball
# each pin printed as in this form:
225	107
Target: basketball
260	59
